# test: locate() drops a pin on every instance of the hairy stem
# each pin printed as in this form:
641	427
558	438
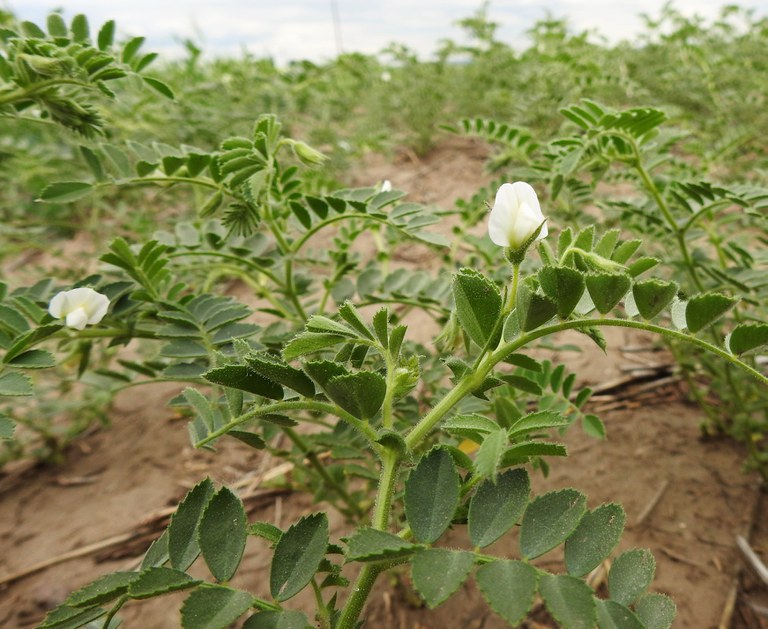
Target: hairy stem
380	520
330	482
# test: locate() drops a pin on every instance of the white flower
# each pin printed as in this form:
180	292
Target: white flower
386	185
79	307
515	216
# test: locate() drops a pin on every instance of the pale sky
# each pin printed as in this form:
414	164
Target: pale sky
303	29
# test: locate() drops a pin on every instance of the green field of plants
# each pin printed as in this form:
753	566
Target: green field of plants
211	230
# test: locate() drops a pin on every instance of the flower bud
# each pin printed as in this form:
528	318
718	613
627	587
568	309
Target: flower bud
308	155
386	185
516	219
79	307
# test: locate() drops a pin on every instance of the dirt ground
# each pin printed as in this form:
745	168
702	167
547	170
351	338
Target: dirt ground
685	499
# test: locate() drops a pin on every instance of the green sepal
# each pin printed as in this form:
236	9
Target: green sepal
533	308
516	256
607	289
747	336
564	286
652	296
704	309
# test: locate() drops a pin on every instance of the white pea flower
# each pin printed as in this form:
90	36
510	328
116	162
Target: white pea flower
515	216
79	307
386	185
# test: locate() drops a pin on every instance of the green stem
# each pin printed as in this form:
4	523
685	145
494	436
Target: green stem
674	227
115	608
230	270
296	405
387	419
22	94
512	295
389	466
323	617
472	380
380	520
140	181
290	288
455	395
300	242
360	592
318	466
260	603
240	261
503	351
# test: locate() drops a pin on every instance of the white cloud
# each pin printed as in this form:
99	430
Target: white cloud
304	28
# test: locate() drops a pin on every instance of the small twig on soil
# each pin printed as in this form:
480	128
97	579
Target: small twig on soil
74	481
682	559
752	559
149	522
733	593
72	554
651	505
760	610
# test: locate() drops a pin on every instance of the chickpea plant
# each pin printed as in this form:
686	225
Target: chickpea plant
422	441
356	376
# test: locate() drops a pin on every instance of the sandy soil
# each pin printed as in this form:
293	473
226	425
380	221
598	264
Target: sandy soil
117	483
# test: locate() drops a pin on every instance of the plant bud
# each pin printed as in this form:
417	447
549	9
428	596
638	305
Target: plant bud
308	155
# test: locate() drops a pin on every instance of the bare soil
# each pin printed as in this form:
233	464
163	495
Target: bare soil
686	499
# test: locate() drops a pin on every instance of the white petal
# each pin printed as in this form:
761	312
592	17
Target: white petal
97	308
386	185
57	305
77	319
80	295
529	204
501	223
525	194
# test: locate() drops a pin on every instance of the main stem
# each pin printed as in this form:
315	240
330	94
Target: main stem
380	519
